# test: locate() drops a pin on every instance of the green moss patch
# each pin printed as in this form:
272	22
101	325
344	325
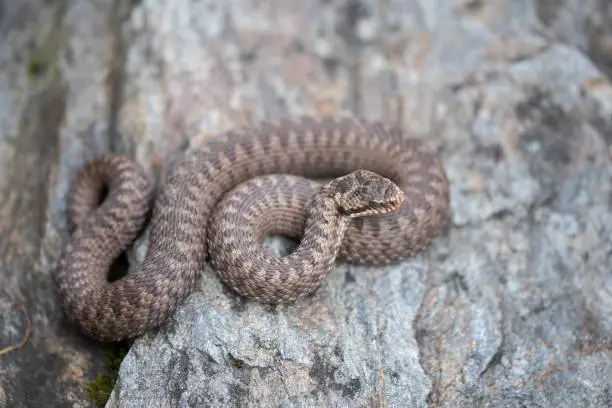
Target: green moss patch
40	61
99	390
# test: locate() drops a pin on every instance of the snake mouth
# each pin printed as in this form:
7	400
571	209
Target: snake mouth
394	203
390	205
393	206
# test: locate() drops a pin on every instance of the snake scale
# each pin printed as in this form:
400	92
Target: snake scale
387	199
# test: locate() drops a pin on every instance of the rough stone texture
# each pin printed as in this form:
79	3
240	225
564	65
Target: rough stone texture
52	98
510	307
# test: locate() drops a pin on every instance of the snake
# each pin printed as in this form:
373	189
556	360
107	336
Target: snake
347	188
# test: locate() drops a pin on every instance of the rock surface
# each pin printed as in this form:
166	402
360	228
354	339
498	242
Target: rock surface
510	307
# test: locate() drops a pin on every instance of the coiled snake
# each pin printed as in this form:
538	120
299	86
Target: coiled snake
212	207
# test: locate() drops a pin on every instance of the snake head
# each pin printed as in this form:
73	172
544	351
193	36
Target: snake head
363	193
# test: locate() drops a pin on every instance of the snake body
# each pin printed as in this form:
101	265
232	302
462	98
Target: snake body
195	219
318	217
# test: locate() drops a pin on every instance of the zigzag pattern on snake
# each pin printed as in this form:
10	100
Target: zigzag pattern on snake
200	209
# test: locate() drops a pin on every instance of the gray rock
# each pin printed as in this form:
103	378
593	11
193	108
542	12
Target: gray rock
49	103
510	307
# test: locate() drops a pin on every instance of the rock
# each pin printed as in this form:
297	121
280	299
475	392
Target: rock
51	104
509	307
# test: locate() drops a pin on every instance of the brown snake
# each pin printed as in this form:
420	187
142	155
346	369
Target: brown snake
195	219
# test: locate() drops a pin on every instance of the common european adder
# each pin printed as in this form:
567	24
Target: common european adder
388	198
